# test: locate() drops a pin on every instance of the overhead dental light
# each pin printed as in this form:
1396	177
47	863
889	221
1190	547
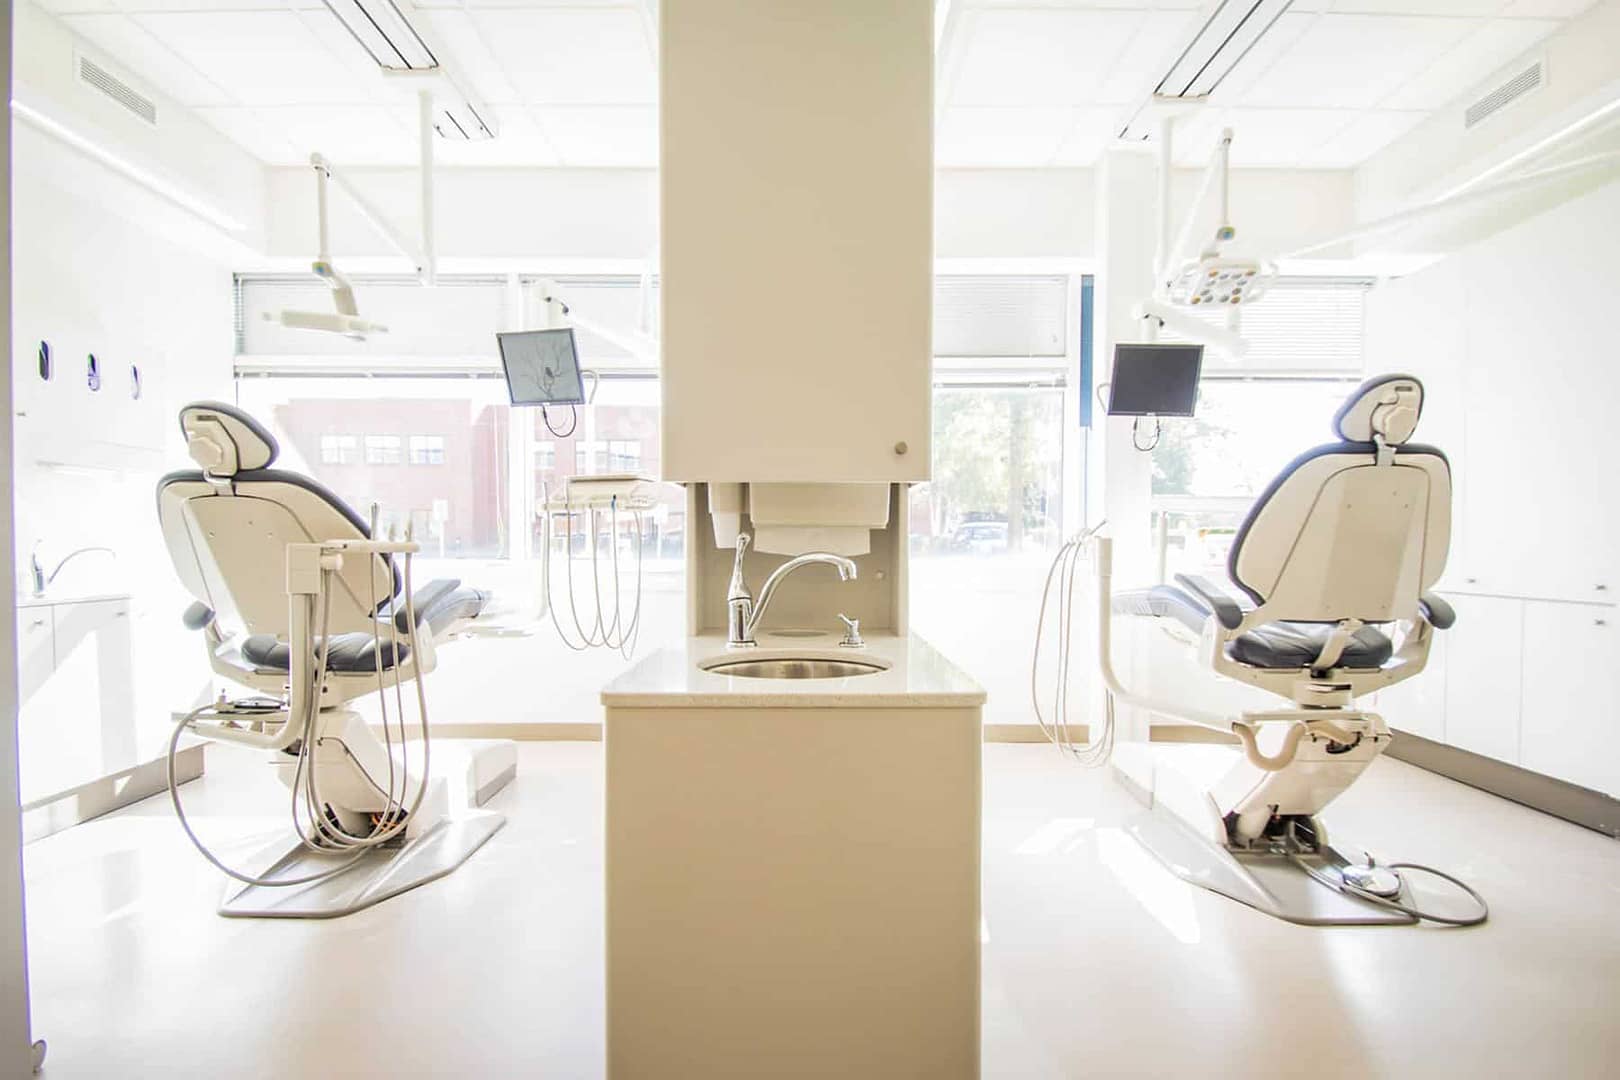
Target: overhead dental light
404	51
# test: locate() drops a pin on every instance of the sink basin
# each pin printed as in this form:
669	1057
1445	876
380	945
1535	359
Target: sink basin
793	667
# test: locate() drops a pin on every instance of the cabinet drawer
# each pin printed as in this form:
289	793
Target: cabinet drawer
1570	725
36	656
1483	687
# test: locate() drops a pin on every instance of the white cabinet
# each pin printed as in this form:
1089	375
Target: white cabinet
1570	725
1483	676
36	656
1418	705
797	239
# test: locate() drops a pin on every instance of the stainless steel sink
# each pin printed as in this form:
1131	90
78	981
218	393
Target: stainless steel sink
793	668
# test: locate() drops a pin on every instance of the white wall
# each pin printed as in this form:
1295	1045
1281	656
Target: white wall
557	214
181	151
96	272
14	1020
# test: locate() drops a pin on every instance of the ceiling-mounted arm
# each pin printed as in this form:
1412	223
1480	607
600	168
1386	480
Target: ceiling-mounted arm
1216	173
374	217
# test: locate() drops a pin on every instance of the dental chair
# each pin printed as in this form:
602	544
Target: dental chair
1329	600
296	601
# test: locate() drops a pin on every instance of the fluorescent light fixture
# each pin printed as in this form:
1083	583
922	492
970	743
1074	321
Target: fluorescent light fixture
1223	41
144	177
399	48
383	31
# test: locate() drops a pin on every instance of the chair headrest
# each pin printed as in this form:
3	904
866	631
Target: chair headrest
224	440
1386	405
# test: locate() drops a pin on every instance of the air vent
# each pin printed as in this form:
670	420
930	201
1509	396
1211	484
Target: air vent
1506	94
94	75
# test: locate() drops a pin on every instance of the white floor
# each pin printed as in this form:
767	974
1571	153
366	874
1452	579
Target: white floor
1097	961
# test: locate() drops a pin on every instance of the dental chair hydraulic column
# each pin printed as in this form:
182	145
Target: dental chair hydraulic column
299	603
1334	563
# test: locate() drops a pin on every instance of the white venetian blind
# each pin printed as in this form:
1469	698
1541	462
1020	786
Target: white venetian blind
1301	325
1001	316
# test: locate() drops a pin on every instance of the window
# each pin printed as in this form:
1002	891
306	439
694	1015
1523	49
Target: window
624	456
382	450
464	496
339	450
590	457
545	457
427	449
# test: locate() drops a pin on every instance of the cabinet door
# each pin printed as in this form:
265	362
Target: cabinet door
797	257
1571	723
1418	705
36	658
1483	659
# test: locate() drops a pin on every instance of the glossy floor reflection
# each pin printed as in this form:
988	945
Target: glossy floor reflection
1096	960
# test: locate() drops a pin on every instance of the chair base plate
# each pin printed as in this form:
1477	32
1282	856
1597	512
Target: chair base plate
375	877
1269	881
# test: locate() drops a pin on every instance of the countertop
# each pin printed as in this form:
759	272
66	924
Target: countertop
916	676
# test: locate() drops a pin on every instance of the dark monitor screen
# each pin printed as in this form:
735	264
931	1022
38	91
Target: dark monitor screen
542	367
1155	380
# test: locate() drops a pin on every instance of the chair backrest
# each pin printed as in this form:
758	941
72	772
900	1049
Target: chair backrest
1354	529
227	527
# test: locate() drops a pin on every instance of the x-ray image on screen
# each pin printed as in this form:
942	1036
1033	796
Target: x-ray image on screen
542	367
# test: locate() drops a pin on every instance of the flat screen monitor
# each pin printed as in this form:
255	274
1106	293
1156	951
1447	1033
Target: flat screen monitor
1155	380
542	367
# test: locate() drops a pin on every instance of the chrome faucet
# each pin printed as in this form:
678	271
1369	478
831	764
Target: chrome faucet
42	579
743	614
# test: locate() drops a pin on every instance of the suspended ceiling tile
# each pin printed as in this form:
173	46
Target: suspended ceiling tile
989	137
1261	138
1355	61
1474	59
1158	41
246	129
470	57
602	136
1456	8
130	50
348	134
1363	137
1039	56
270	57
519	142
1090	132
573	56
1539	9
1272	47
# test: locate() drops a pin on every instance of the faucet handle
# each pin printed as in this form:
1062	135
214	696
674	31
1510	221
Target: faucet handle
852	632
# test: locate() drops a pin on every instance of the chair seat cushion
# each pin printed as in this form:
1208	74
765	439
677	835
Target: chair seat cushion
1274	645
349	654
1297	645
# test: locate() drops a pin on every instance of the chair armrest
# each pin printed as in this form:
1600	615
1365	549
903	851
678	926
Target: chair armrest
197	616
1435	609
1225	608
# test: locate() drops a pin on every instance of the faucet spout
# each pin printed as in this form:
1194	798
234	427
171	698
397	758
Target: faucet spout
744	612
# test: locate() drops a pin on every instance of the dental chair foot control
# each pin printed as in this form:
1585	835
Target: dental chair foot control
1372	879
